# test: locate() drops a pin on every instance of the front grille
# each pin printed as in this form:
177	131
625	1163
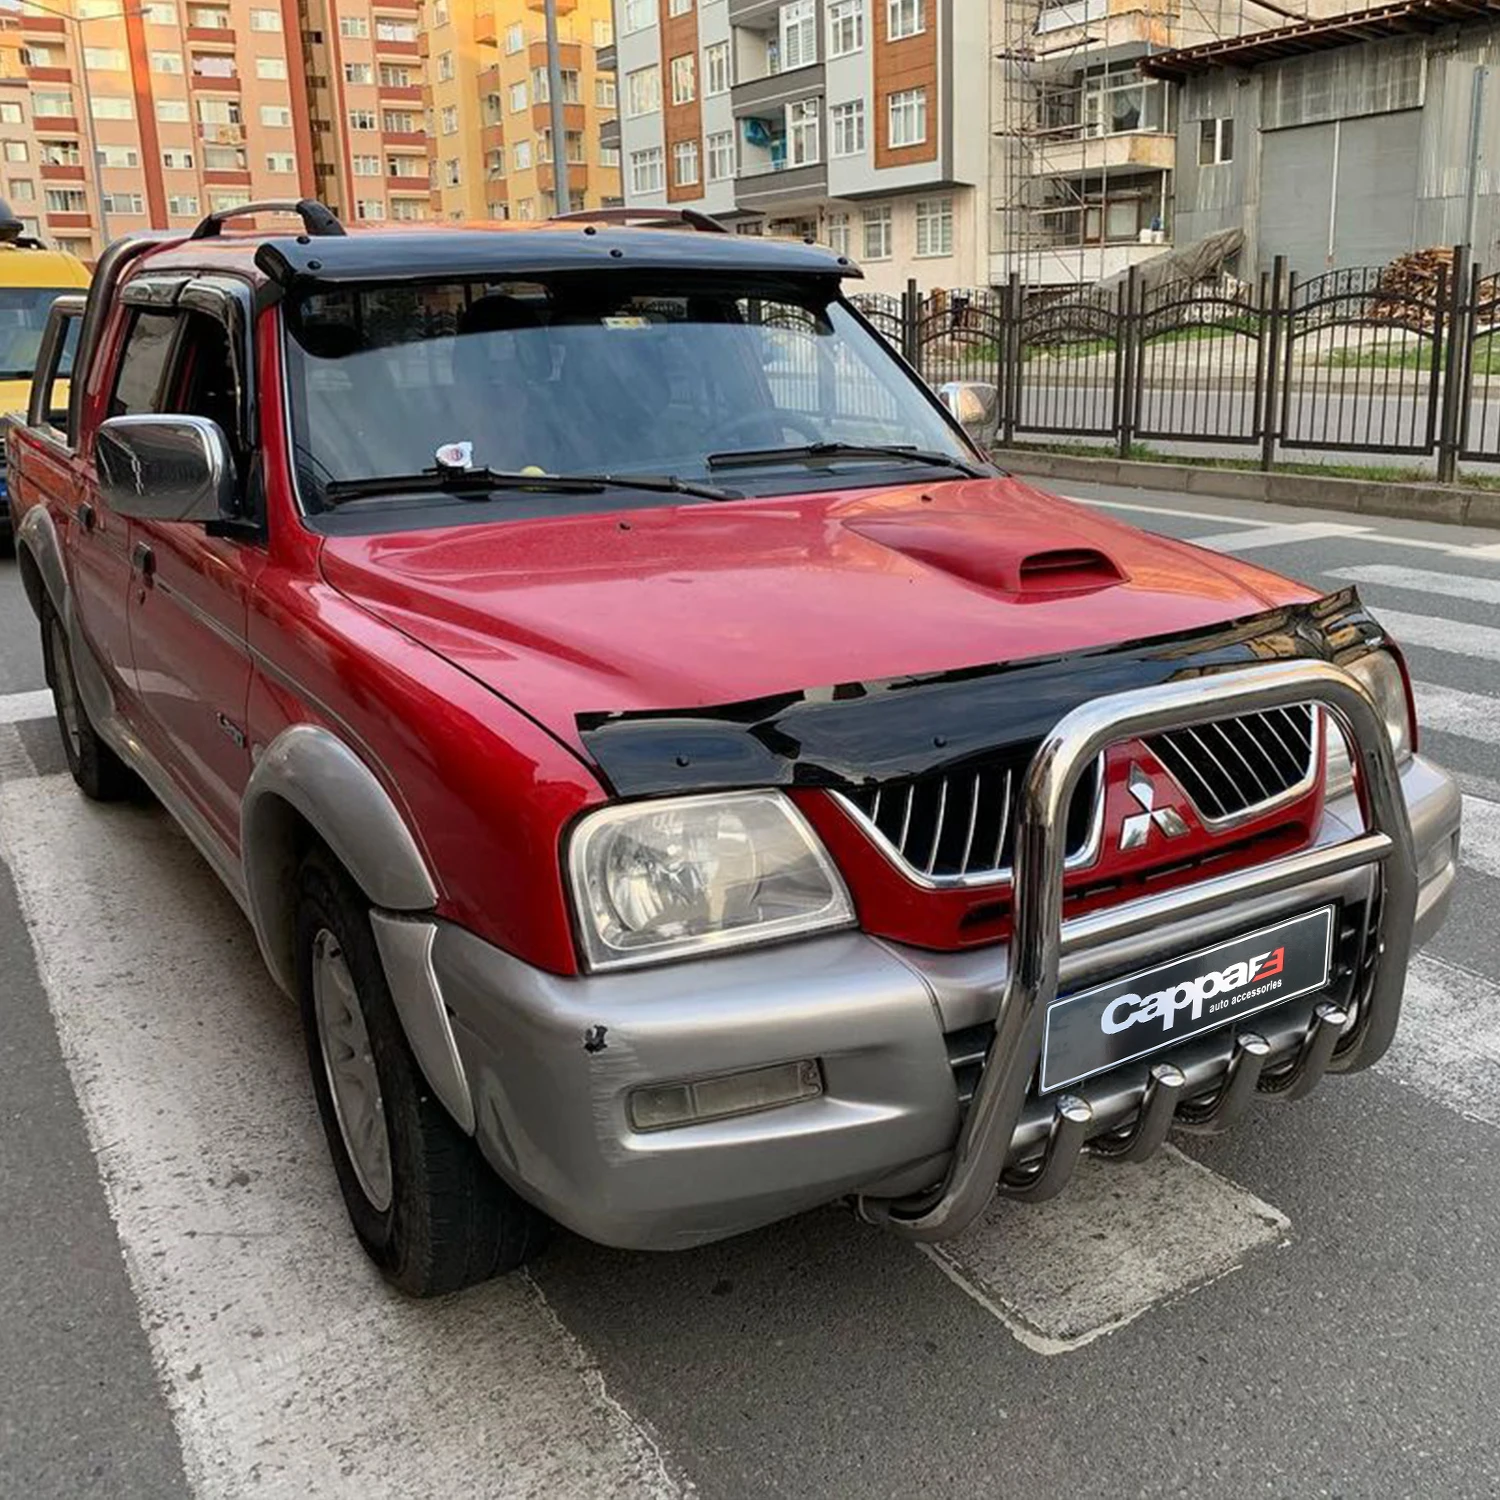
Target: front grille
960	825
1234	768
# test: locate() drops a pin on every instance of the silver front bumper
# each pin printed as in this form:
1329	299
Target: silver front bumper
549	1063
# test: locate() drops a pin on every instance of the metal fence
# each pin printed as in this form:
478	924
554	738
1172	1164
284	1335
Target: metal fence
1368	360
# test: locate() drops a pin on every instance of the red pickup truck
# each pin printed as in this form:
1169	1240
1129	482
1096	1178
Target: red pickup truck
681	780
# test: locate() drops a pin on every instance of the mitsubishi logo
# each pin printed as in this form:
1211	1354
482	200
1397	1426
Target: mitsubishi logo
1136	829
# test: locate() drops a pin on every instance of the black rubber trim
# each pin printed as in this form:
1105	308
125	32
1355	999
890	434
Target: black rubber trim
854	734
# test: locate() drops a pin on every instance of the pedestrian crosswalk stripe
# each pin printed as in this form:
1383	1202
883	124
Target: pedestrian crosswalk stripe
16	708
1448	1042
1424	581
1121	1239
1275	536
1439	634
1475	716
290	1368
1479	841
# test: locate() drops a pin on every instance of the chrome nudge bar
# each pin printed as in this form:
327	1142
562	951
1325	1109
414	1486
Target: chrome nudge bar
1040	937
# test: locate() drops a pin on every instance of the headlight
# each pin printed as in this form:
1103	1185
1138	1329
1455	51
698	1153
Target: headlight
657	880
1381	675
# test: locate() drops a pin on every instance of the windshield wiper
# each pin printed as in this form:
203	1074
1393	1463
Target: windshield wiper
812	452
481	483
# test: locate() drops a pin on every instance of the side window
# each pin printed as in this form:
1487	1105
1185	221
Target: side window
203	383
147	346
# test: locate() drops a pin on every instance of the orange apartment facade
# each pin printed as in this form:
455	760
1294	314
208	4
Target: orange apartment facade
189	107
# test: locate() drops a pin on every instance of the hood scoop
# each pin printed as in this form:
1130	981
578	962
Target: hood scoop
986	551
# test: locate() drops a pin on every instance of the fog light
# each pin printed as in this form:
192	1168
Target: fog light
665	1106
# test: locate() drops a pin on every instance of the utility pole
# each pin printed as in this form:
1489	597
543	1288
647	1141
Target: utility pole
1476	153
562	197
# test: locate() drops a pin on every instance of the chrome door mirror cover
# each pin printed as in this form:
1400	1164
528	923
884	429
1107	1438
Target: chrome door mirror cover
165	468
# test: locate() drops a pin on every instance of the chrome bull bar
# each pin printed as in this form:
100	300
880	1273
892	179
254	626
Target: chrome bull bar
1040	937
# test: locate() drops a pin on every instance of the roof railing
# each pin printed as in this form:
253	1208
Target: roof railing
317	218
653	218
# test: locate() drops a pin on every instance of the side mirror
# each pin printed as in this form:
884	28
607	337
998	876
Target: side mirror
976	407
165	468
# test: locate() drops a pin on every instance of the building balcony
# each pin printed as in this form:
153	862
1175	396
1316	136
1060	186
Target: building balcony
56	171
407	93
236	178
492	138
1132	26
49	75
217	83
212	36
771	94
574	117
607	59
609	134
417	186
569	55
404	138
1081	155
40	25
389	47
776	188
486	28
564	7
55	124
70	221
489	79
1072	265
578	177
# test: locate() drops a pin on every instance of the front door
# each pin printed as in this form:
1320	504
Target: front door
188	604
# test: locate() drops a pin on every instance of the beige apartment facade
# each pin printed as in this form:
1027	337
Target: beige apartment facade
490	107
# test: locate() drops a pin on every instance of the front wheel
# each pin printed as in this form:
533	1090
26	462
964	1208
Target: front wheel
424	1203
98	771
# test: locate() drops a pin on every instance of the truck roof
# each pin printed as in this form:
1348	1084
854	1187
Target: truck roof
427	252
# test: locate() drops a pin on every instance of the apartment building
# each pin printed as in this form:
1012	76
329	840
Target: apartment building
861	123
490	107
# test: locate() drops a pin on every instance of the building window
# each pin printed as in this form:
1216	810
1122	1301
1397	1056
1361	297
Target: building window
877	227
265	20
445	67
394	31
123	203
799	35
604	33
639	14
369	209
10	113
171	111
716	69
61	153
908	118
270	67
679	7
355	26
515	38
405	166
59	105
177	161
161	13
604	91
23	190
108	59
358	72
224	159
847	123
904	18
609	156
399	122
281	161
541	86
517	98
685	163
684	79
452	171
394	77
108	107
66	201
1119	100
219	112
366	166
646	170
802	145
1215	142
209	18
119	156
838	233
361	119
448	119
520	156
643	91
934	226
184	205
846	27
276	115
16	151
721	156
408	209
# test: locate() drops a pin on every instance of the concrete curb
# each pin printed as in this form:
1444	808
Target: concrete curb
1371	497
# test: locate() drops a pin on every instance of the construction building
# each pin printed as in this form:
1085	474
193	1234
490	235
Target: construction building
490	107
384	109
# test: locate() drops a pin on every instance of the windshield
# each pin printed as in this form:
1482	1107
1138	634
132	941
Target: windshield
23	318
607	374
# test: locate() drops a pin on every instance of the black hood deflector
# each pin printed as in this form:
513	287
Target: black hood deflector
855	734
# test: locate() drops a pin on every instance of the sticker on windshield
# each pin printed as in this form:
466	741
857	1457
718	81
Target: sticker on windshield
624	322
455	456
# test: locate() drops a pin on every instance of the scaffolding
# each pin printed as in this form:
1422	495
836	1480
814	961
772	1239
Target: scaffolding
1086	142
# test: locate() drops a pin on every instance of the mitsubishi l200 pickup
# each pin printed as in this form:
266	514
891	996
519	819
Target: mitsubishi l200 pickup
680	779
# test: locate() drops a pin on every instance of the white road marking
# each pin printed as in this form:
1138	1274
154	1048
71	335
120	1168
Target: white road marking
291	1369
1122	1239
1475	716
1276	536
1424	581
1440	634
16	708
1448	1042
1159	510
1479	840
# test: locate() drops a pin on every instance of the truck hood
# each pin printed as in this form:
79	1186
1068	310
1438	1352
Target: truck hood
690	606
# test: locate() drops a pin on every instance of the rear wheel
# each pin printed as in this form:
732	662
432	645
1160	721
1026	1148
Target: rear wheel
99	772
424	1203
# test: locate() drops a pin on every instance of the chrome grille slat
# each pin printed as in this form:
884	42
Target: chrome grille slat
950	828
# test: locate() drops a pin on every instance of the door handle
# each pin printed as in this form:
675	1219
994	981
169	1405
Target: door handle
86	516
143	560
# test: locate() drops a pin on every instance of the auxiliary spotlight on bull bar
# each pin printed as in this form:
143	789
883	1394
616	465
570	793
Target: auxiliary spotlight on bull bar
1040	939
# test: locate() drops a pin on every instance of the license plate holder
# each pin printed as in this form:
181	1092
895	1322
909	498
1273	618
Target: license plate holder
1129	1018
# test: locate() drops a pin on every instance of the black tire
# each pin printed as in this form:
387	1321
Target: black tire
447	1221
99	772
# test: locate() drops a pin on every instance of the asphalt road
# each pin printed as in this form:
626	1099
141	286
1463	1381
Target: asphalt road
1310	1306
